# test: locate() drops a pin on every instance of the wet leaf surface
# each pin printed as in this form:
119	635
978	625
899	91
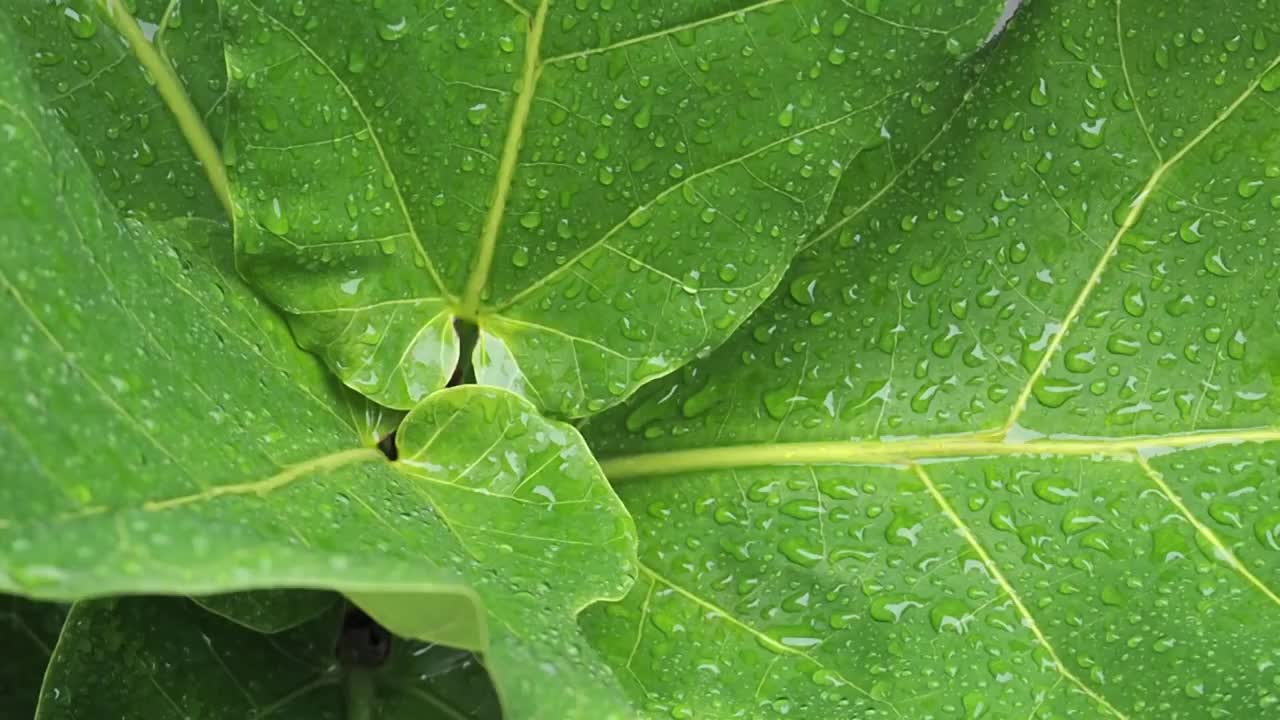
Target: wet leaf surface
606	191
209	454
1003	444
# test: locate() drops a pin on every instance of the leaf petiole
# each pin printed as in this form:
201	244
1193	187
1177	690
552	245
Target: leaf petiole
360	694
175	97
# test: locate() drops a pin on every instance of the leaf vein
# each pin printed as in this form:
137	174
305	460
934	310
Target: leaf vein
990	563
898	452
377	143
1206	532
666	32
1131	219
759	636
676	187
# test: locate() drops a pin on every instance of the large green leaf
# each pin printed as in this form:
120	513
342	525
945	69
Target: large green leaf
161	433
169	659
1005	442
30	631
607	190
89	76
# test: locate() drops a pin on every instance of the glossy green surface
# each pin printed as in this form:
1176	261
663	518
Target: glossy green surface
269	611
109	106
210	454
30	631
173	660
1004	443
607	190
94	84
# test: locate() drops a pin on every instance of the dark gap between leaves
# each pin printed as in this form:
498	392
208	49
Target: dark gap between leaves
363	643
468	333
388	446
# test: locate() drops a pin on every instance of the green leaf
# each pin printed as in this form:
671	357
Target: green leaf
208	454
163	657
108	104
189	36
30	631
607	192
1004	442
269	611
90	77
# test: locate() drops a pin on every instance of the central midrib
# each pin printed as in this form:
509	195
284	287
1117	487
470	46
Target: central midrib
469	308
892	452
174	95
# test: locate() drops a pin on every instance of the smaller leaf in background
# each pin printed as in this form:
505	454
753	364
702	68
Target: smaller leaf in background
410	678
161	658
28	633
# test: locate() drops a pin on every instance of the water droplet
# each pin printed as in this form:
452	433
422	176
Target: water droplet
1040	93
641	217
799	551
1215	264
975	705
395	30
1054	393
926	274
890	608
268	118
1267	530
1091	134
1248	188
1134	302
1271	81
804	289
801	509
1056	490
1236	345
1122	344
1095	77
778	401
643	117
1080	359
82	24
787	117
357	58
477	113
1189	231
275	219
794	636
950	615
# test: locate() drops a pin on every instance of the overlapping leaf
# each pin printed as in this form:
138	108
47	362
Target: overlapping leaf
170	659
210	454
606	190
1004	444
30	630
